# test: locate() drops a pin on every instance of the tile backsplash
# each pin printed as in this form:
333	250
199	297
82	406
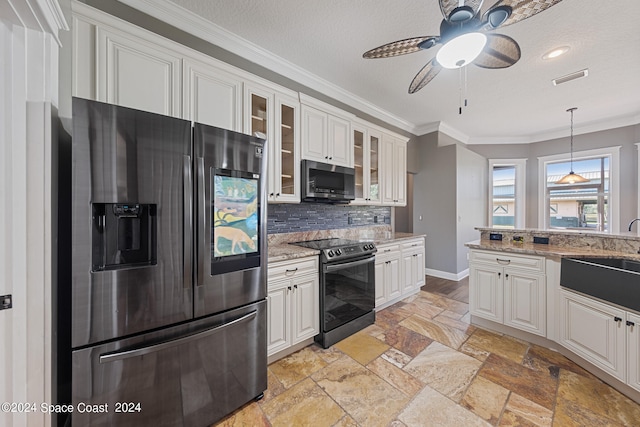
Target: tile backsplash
290	218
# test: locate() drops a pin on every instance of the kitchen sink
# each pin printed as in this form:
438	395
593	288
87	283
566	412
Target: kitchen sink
615	280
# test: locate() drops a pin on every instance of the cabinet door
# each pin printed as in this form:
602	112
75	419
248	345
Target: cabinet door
278	319
388	196
306	311
633	351
380	282
212	96
408	272
340	146
400	173
394	278
137	74
286	151
373	158
359	163
524	307
314	134
594	331
486	292
418	265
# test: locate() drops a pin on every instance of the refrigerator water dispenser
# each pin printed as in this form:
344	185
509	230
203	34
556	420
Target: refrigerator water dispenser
124	235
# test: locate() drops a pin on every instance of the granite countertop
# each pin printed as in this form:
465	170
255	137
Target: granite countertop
283	251
549	250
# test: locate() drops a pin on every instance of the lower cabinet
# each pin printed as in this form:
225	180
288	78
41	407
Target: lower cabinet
292	303
603	334
508	289
399	270
387	269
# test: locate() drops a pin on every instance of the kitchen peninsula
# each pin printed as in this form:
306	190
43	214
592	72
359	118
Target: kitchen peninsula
516	288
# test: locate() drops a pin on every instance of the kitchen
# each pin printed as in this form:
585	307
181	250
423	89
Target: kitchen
445	251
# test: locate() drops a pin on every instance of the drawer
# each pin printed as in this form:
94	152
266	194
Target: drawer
503	259
293	268
387	249
413	244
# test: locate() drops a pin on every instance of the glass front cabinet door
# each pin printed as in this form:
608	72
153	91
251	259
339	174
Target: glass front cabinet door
366	144
276	116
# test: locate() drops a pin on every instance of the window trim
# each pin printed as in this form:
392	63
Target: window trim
614	183
520	197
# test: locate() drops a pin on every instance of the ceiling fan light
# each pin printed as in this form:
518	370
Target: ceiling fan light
461	50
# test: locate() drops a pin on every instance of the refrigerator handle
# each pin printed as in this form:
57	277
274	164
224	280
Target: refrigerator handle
112	357
187	214
202	221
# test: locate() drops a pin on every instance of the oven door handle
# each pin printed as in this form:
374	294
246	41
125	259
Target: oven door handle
340	266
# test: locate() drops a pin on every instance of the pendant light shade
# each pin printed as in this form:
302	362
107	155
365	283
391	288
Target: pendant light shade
572	177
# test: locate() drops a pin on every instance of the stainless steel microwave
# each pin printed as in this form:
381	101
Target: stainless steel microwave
322	182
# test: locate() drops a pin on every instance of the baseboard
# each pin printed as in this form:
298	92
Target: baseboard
446	275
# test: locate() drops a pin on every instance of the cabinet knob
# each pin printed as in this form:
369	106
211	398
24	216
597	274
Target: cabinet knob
617	319
270	194
326	157
288	288
630	323
277	194
295	287
499	275
330	158
506	275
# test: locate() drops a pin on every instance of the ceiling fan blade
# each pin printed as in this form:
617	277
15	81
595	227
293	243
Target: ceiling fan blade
448	6
425	75
402	47
500	52
520	9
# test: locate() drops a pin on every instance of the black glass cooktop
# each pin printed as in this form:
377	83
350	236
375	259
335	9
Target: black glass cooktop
326	243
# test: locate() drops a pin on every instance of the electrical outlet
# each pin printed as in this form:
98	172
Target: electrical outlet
6	302
518	239
495	236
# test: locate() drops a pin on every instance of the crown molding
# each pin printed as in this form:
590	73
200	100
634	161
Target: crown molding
453	133
41	15
191	23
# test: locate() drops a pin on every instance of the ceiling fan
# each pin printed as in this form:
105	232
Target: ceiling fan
463	37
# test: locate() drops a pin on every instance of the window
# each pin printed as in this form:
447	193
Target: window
591	205
507	193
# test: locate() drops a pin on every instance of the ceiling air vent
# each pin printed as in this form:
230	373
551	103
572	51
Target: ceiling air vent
572	76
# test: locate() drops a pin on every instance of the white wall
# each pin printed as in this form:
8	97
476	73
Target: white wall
28	90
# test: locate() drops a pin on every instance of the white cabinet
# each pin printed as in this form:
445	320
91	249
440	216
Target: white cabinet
388	278
326	137
366	161
212	96
412	266
137	74
594	331
276	116
508	289
633	350
292	303
394	171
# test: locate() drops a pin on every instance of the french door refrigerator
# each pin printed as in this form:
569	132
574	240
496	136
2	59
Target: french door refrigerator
168	311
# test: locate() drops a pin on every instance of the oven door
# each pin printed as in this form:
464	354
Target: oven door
348	291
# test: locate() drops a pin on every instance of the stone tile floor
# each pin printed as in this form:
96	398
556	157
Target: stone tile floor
422	364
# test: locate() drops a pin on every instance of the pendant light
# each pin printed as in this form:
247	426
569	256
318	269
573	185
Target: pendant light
572	177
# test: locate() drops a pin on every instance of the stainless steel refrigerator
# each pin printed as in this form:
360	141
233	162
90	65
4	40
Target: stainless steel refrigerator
168	312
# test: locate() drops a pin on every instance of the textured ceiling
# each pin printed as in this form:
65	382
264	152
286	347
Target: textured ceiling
518	104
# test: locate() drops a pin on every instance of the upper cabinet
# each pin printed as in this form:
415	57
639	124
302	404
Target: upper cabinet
326	133
275	115
117	62
366	162
137	74
394	170
211	96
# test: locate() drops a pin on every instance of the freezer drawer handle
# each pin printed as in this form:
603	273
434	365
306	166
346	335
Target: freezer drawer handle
112	357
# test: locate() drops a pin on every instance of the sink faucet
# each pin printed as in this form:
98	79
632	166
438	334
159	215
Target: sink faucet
631	223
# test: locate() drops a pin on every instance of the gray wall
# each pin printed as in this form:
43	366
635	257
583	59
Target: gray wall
472	199
434	198
626	137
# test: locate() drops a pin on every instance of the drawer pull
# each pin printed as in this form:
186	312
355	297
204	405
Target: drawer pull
630	323
291	270
617	319
503	261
